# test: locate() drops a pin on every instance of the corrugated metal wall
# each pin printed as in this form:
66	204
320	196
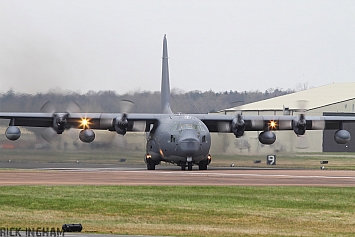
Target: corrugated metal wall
329	145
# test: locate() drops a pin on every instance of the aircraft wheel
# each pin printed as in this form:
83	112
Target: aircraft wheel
202	165
183	165
151	166
189	165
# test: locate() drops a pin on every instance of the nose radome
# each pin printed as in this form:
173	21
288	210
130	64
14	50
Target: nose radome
189	143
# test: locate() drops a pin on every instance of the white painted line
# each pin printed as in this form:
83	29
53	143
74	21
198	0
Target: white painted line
190	173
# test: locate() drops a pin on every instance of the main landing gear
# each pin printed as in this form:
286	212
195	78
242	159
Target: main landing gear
202	165
150	163
151	166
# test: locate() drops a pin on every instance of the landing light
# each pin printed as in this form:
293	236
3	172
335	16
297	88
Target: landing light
85	123
272	124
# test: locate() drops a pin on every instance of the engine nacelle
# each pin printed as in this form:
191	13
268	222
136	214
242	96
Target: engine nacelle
267	137
59	123
299	126
121	124
238	126
342	136
87	135
13	133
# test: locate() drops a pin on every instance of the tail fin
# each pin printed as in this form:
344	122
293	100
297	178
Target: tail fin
165	86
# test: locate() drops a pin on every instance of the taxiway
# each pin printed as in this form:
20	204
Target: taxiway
90	174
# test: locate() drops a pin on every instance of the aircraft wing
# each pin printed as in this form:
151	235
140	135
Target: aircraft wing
215	123
28	119
224	123
136	121
102	121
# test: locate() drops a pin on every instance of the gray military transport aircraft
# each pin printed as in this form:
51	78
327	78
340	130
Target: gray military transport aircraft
182	139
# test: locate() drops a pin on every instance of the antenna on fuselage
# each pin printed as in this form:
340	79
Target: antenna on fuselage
165	86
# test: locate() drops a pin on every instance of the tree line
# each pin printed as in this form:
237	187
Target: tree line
144	101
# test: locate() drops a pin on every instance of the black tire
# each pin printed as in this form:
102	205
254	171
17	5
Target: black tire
189	165
151	166
202	165
183	166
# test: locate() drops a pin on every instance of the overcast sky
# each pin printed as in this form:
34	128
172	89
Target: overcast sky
213	45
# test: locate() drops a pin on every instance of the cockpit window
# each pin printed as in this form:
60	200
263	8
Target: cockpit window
185	126
188	126
175	127
200	128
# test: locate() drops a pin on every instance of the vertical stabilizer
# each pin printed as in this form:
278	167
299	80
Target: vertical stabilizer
165	86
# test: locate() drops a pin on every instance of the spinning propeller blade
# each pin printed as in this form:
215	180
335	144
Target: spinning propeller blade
49	134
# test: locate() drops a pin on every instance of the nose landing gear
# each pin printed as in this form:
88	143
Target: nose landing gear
189	164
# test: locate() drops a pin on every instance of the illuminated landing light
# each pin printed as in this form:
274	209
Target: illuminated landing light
85	123
148	156
272	124
209	159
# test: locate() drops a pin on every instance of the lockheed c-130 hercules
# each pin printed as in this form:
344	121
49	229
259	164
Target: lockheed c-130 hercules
182	139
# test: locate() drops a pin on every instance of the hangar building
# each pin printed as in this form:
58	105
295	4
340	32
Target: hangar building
337	99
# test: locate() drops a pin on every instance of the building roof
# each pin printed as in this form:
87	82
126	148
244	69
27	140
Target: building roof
315	98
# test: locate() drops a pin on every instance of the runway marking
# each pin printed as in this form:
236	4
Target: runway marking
92	169
250	175
140	176
191	173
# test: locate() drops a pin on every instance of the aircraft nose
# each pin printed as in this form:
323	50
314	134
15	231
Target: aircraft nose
189	143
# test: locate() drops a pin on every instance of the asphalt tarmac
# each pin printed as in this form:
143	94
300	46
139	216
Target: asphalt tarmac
101	174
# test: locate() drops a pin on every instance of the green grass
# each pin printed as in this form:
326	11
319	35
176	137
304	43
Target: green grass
183	211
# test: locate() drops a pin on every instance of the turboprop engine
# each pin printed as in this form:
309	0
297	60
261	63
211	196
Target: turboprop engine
299	126
238	126
121	124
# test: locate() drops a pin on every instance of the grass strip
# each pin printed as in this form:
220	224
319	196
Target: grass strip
183	211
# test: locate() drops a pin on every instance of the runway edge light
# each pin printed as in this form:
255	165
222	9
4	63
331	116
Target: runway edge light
72	227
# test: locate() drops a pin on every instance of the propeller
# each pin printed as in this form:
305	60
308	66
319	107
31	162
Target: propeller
300	125
48	107
59	122
224	127
73	107
237	126
126	106
121	124
107	119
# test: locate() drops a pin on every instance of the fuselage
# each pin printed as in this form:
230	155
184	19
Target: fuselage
177	139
